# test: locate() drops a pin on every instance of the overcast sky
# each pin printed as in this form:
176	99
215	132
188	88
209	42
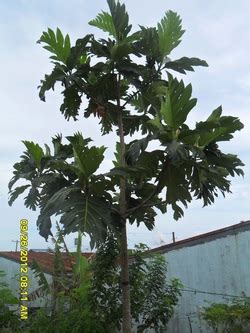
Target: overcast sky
217	31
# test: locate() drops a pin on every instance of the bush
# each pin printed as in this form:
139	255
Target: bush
8	319
152	298
229	318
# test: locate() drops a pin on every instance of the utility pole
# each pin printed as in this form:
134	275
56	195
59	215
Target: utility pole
173	237
16	241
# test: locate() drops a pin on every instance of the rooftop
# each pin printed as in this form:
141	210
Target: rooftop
44	259
204	238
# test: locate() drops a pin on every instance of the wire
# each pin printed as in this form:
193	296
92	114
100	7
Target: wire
195	291
149	233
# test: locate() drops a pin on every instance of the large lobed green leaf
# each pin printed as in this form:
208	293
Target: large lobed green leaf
78	211
218	128
57	75
174	179
116	23
184	64
120	18
16	192
104	21
148	43
71	102
56	44
177	104
169	32
34	151
87	160
78	53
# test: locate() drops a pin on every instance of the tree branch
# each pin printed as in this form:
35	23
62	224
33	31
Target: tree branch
130	98
142	204
156	191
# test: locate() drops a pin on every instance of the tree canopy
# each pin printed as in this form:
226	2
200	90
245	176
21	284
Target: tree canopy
128	79
135	67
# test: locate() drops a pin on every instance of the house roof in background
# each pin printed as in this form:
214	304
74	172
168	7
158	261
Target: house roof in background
204	238
44	259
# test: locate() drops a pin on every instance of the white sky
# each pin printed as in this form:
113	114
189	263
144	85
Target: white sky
216	31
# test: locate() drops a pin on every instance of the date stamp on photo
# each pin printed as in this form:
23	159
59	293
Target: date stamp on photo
24	279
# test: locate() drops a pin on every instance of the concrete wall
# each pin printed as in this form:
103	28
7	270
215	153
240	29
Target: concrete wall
12	269
219	265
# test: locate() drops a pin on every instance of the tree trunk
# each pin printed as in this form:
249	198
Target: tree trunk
126	308
126	311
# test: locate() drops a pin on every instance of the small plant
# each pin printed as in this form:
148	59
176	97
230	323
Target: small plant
70	310
229	318
8	319
91	299
152	298
158	297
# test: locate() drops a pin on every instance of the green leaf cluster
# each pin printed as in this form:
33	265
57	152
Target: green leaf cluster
8	318
152	298
229	318
69	189
78	77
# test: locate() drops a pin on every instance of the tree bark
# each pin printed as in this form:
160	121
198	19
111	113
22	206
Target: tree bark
126	308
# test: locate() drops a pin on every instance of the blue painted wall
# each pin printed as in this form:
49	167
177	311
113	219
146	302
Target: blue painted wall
220	265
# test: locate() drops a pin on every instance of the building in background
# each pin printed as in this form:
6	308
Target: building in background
10	264
213	268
